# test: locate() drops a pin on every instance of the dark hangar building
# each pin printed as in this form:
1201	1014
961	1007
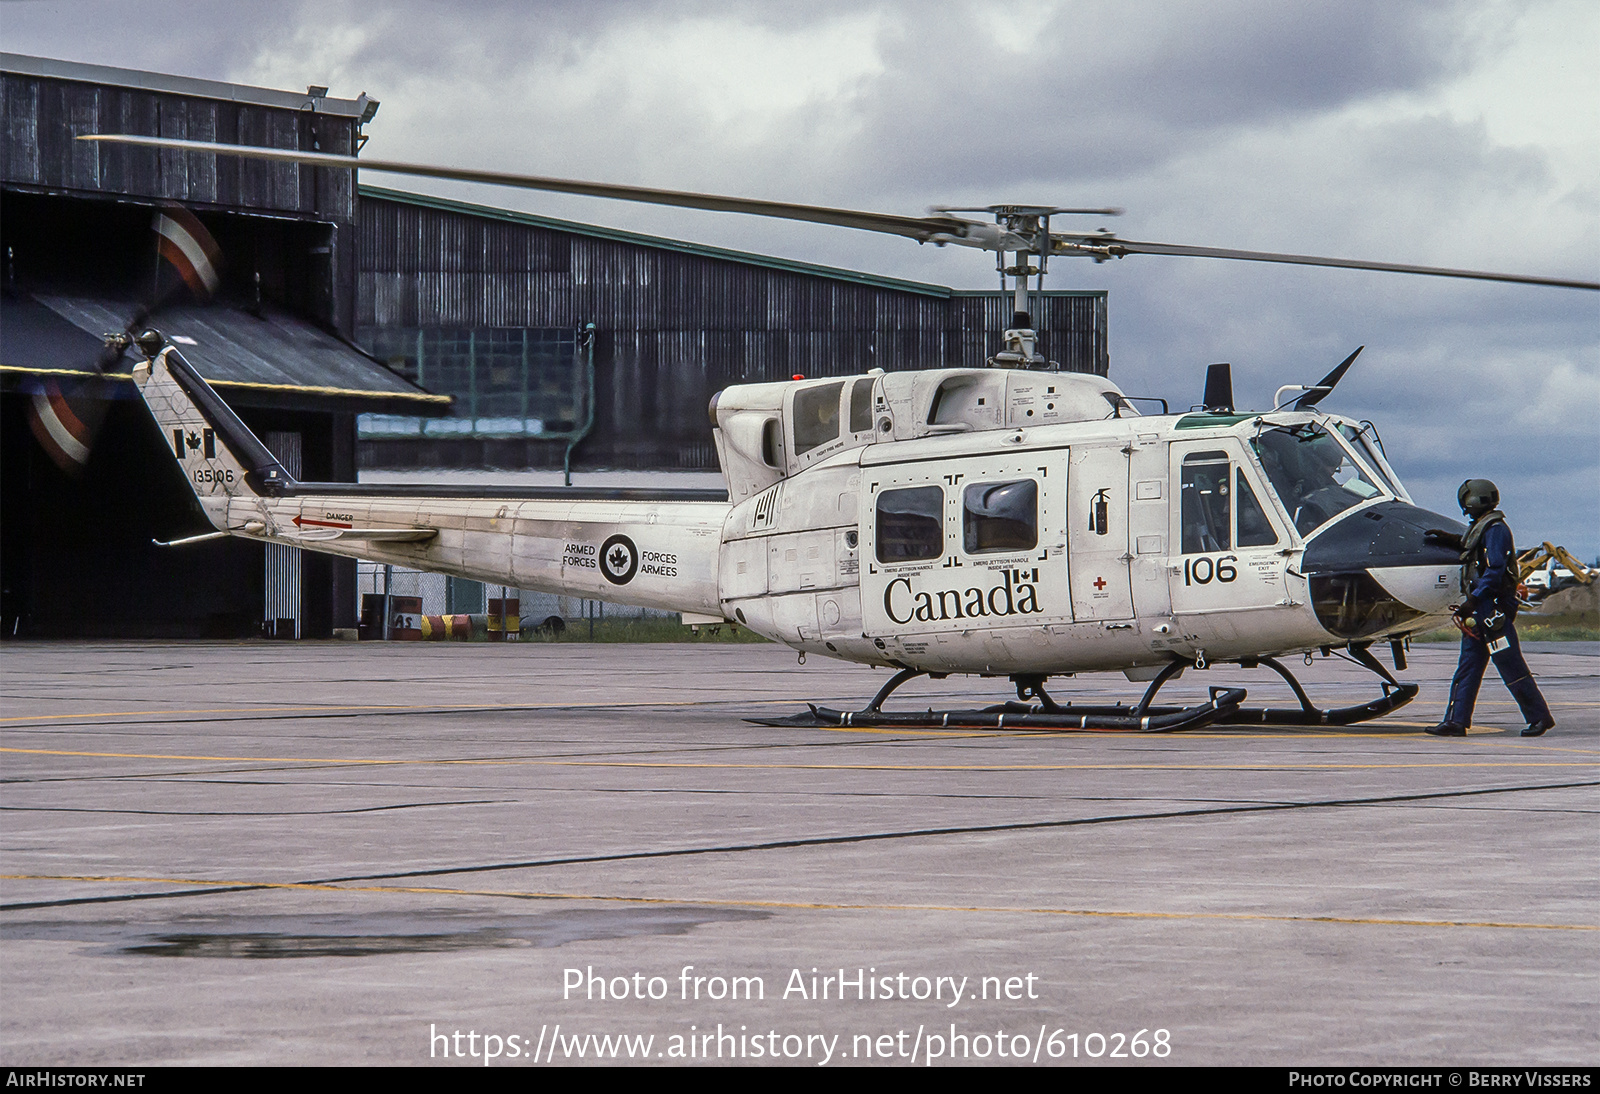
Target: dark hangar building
76	551
493	308
360	327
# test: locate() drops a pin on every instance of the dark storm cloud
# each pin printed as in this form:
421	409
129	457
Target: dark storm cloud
1093	89
1088	92
1104	89
185	37
1312	127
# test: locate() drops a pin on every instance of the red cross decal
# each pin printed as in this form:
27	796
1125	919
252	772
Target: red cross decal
1099	583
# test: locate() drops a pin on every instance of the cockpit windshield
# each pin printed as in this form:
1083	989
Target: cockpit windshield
1315	476
1363	438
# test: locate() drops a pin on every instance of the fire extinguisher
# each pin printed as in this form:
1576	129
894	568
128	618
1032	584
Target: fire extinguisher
1100	519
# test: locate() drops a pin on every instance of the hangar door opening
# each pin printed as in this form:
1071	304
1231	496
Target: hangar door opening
280	617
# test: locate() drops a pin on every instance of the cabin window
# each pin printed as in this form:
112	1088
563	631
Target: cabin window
1207	520
861	406
1255	530
816	416
910	524
1000	516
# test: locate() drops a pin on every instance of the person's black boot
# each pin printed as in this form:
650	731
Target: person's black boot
1448	729
1535	711
1536	729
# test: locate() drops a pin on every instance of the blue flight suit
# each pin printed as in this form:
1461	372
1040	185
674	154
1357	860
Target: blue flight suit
1493	588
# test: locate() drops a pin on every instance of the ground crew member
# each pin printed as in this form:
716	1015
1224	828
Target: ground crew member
1489	580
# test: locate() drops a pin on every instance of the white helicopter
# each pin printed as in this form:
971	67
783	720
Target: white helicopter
1007	520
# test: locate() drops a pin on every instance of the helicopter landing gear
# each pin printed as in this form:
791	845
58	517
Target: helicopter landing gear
1023	715
1395	695
1224	707
1032	687
894	682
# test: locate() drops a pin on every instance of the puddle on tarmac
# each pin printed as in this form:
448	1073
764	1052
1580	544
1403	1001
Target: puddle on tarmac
311	945
283	936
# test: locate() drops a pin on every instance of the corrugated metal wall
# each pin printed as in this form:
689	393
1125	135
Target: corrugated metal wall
43	116
674	326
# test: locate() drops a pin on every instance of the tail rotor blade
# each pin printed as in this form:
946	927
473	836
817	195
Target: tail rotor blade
184	242
65	415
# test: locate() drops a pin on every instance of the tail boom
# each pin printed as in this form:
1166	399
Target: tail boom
651	552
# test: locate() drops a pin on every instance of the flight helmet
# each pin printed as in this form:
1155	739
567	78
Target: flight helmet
1477	497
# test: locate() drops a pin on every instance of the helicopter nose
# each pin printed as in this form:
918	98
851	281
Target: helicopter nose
1374	571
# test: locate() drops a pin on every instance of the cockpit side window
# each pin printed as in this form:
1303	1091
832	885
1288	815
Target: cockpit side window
1000	516
1207	522
816	416
1315	477
910	524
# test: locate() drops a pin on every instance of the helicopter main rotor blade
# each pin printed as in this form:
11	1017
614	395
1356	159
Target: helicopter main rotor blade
921	229
930	229
1111	247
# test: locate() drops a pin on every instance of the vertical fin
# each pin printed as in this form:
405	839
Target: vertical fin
219	456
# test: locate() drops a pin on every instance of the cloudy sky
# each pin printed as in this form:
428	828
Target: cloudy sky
1442	133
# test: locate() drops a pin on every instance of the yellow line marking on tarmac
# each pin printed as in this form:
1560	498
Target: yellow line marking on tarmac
331	708
431	890
979	732
1388	731
167	713
1479	735
1286	766
224	759
1391	731
334	709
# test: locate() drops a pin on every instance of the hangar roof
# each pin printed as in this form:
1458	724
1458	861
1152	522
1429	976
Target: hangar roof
270	359
187	85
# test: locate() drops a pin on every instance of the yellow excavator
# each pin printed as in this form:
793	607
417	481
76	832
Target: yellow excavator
1546	554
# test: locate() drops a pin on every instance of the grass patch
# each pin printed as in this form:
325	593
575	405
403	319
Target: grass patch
644	629
1531	628
1556	628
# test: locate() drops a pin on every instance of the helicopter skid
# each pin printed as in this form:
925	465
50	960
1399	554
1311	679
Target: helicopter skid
1394	697
1224	708
1120	718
